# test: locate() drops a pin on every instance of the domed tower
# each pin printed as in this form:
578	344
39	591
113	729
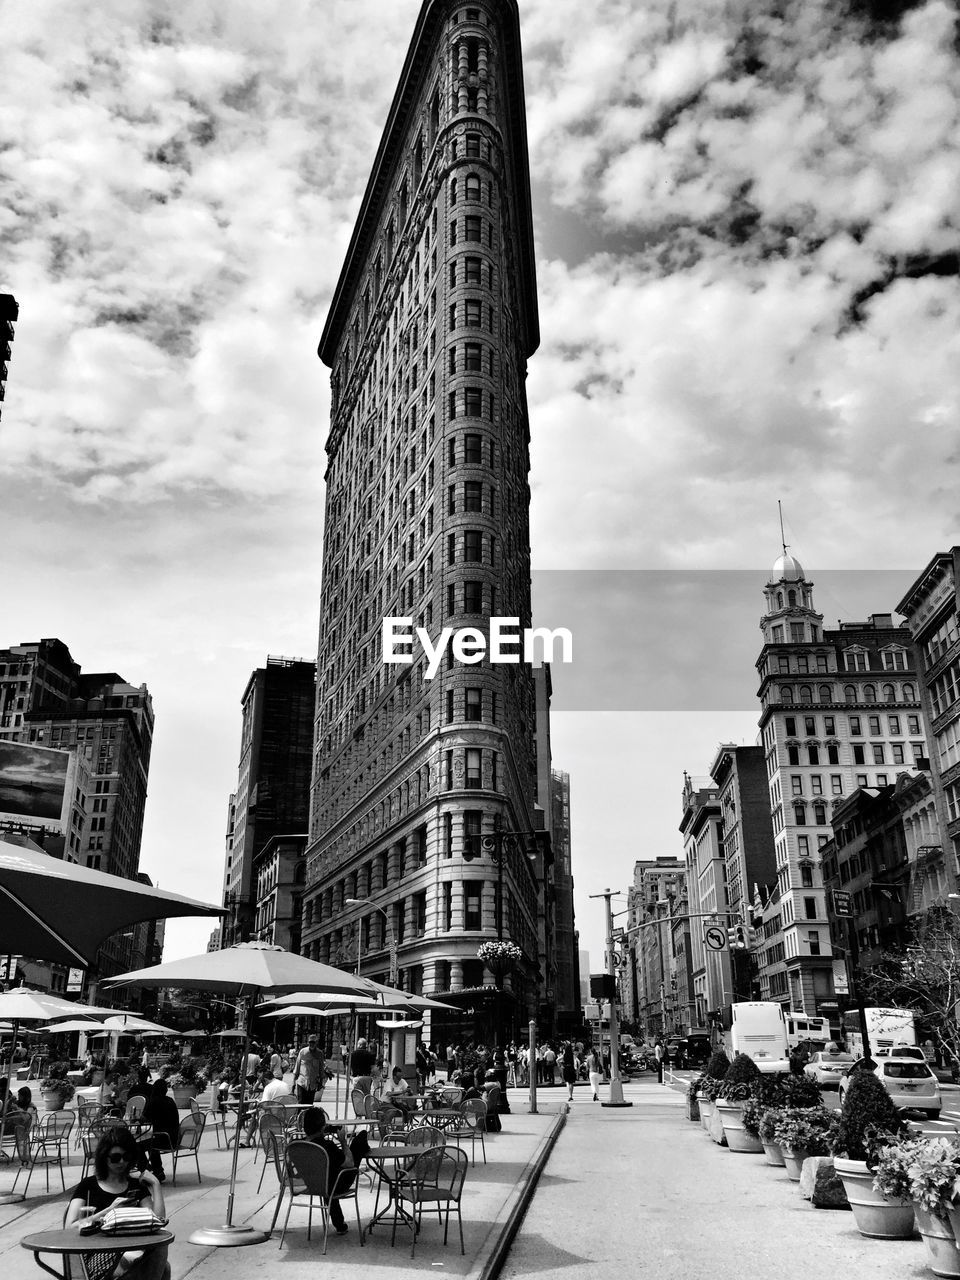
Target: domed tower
790	617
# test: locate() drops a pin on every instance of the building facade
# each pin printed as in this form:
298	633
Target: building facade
655	903
273	791
840	710
709	969
9	314
106	723
433	320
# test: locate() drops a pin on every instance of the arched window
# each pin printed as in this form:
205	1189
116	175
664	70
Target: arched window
453	191
779	599
869	693
849	693
806	694
908	694
889	693
825	693
791	598
786	693
473	187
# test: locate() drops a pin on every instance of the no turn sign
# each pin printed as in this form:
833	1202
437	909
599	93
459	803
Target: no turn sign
715	938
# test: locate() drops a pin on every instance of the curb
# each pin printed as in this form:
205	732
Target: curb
527	1185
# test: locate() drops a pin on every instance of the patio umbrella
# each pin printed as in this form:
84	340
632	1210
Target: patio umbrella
232	1034
252	970
62	912
89	1025
131	1025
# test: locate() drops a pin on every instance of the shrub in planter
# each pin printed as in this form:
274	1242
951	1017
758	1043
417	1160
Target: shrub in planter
740	1080
799	1091
55	1080
713	1075
808	1129
868	1120
924	1170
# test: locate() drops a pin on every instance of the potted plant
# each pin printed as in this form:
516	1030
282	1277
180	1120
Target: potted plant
55	1089
740	1083
766	1131
185	1082
868	1122
926	1171
710	1082
801	1132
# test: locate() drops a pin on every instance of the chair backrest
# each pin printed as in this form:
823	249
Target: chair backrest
493	1098
370	1107
451	1097
268	1124
389	1119
454	1164
308	1163
273	1147
195	1107
135	1104
474	1111
424	1135
54	1126
358	1101
191	1131
424	1168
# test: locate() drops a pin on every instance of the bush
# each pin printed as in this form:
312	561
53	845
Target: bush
808	1129
924	1170
868	1120
717	1066
741	1079
800	1091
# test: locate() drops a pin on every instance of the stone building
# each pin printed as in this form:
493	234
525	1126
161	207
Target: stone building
432	322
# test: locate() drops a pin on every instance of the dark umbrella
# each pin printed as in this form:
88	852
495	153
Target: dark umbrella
62	912
252	970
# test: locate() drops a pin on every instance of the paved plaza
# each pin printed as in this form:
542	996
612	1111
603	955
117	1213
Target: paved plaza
637	1190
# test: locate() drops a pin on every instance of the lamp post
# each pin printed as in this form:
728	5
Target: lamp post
391	937
616	1084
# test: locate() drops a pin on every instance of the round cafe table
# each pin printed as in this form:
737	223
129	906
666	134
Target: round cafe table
69	1243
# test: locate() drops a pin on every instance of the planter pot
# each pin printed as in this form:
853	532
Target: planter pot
716	1129
793	1158
876	1216
706	1111
183	1095
731	1115
53	1099
938	1236
773	1153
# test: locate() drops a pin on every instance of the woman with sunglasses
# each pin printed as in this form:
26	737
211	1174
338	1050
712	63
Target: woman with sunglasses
117	1182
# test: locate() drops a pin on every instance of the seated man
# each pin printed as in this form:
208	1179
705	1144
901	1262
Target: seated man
339	1154
398	1092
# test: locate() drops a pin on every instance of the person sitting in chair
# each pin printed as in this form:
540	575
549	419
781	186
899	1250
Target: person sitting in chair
398	1092
339	1155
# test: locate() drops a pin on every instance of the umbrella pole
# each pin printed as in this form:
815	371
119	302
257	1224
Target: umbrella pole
228	1236
10	1197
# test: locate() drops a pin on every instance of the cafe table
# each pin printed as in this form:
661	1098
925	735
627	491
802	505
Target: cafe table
378	1156
69	1243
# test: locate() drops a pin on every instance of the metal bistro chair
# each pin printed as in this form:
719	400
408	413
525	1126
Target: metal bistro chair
215	1121
188	1142
307	1168
270	1126
451	1096
472	1125
49	1144
90	1140
435	1177
134	1109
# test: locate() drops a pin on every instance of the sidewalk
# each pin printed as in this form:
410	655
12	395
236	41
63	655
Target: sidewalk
492	1194
643	1191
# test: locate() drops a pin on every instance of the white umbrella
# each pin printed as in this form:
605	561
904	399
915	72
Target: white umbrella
250	969
131	1025
90	1026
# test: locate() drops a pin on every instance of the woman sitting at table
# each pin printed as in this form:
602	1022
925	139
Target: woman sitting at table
15	1119
114	1184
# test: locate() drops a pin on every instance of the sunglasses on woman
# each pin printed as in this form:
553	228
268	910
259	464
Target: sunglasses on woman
118	1157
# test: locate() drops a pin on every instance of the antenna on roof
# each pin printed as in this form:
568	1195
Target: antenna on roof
780	511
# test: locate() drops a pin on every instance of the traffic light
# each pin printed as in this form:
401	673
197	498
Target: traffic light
737	937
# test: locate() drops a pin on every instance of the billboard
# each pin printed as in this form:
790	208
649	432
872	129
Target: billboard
36	785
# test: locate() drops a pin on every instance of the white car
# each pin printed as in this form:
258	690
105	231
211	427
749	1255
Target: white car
827	1068
909	1082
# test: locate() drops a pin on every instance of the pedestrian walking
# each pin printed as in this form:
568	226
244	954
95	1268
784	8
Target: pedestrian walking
658	1054
595	1072
568	1069
306	1071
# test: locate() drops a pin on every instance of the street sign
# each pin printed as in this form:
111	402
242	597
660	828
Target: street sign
617	958
715	938
842	905
618	935
840	983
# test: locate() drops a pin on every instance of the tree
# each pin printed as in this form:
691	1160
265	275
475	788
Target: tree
924	977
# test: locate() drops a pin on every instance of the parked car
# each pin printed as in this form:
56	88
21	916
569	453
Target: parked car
827	1068
901	1051
910	1083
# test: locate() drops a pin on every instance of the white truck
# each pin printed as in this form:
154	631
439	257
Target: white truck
886	1029
758	1029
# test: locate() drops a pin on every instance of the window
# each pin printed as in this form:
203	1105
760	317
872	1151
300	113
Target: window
813	939
473	597
855	660
894	660
897	749
825	692
796	632
790	726
817	782
473	146
473	402
472	495
793	755
878	753
861	779
855	725
858	753
472	313
471	270
796	785
833	753
472	826
473	358
474	704
829	724
806	877
874	725
836	784
447	909
473	449
472	545
472	894
810	725
810	908
881	779
869	693
889	693
820	815
451	548
849	693
893	724
472	186
813	753
473	776
472	226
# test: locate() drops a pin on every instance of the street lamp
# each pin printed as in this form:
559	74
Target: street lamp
391	937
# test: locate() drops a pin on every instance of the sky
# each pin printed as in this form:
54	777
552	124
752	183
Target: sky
746	220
